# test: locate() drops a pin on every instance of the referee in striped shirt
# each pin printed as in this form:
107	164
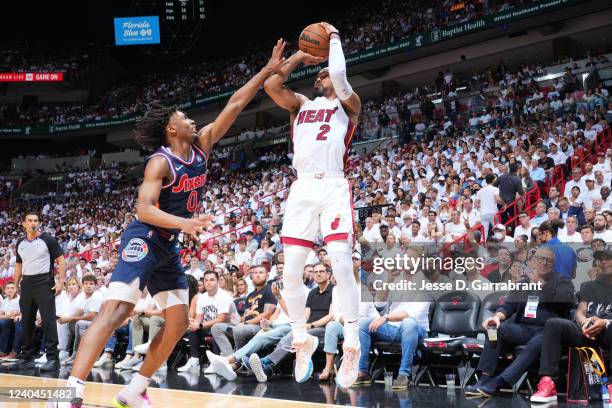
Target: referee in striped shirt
36	255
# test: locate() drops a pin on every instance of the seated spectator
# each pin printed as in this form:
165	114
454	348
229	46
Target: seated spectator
591	327
194	269
402	322
600	225
241	290
261	303
272	332
540	215
524	227
213	306
565	257
87	309
10	322
567	210
555	299
67	304
499	233
317	313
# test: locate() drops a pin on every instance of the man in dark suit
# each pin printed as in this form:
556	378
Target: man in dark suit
553	197
567	210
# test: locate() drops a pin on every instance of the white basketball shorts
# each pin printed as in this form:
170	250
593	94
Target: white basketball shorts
318	201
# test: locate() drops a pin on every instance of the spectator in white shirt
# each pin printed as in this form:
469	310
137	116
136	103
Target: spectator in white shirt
487	199
242	255
524	227
499	233
576	181
455	228
601	231
10	322
194	269
371	232
569	233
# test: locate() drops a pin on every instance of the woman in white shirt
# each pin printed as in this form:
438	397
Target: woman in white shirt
67	304
10	322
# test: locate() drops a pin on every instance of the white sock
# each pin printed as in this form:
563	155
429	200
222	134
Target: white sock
77	384
351	333
139	384
293	289
348	290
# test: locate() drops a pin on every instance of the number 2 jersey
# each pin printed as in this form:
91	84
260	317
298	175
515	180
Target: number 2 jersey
321	134
182	194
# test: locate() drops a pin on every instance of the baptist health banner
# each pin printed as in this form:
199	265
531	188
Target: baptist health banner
137	30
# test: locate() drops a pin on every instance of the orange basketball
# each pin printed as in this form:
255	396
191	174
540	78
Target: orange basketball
314	40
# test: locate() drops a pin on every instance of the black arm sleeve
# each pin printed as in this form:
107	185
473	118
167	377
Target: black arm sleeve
54	248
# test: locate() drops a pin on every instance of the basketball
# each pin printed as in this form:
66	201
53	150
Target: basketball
314	40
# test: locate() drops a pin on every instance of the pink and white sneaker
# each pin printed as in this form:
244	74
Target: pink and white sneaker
349	368
126	399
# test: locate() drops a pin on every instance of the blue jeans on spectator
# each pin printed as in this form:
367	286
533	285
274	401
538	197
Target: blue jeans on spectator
112	342
263	339
407	333
334	331
8	326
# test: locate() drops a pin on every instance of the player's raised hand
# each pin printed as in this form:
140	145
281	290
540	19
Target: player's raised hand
308	59
276	60
329	29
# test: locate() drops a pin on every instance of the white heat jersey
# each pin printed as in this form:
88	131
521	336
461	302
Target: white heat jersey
321	135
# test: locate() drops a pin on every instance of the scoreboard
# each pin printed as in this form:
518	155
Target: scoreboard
183	10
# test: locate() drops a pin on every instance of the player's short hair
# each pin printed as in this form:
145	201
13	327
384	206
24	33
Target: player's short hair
30	212
150	130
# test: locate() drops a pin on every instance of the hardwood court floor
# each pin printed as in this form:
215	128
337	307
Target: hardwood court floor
100	395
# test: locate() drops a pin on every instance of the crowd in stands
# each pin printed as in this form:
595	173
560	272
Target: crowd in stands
361	30
24	57
487	176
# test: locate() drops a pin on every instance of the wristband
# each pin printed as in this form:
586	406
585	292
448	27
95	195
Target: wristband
333	32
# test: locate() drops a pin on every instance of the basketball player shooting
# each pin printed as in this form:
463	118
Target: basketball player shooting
167	199
320	198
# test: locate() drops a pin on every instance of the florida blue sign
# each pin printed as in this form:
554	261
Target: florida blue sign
137	30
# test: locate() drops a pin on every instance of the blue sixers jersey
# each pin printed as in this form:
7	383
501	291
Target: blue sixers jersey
184	192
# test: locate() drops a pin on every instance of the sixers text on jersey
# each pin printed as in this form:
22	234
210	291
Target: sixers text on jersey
184	192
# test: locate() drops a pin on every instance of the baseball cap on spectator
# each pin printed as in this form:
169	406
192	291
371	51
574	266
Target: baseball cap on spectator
601	154
471	179
357	255
499	227
441	178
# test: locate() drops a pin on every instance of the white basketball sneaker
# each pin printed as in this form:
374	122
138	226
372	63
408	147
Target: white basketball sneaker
349	368
303	358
